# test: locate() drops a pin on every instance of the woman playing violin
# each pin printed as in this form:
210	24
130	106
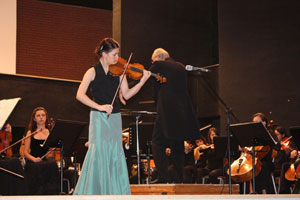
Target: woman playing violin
283	159
214	167
104	170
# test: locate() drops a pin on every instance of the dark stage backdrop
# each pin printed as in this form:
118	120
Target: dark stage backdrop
188	30
259	57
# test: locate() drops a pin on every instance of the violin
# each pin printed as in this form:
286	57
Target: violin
286	143
5	139
134	71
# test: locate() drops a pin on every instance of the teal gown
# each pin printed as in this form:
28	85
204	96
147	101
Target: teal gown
104	170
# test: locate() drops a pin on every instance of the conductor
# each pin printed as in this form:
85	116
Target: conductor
176	120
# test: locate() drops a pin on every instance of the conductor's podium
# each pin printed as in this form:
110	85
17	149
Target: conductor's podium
182	189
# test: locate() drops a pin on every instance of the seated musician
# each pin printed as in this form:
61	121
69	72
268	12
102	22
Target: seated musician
296	154
189	169
5	139
172	173
12	174
263	181
42	175
199	156
214	167
282	160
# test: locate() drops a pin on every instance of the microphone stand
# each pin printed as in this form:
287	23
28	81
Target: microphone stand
228	113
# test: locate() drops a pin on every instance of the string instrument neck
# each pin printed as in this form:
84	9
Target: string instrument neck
133	68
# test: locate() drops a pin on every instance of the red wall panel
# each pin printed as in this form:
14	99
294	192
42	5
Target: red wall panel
57	40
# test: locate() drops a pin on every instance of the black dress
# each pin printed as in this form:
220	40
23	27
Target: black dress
42	178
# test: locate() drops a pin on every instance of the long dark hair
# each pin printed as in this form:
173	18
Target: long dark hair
32	126
106	45
212	129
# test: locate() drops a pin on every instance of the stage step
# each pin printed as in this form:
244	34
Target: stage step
182	189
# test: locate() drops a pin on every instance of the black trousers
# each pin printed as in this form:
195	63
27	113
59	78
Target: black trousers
263	180
162	161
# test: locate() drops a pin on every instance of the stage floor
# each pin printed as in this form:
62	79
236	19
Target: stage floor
166	191
154	197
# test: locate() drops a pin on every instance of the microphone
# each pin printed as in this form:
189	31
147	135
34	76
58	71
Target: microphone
192	68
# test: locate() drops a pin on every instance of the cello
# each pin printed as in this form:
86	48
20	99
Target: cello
297	164
293	172
241	168
290	174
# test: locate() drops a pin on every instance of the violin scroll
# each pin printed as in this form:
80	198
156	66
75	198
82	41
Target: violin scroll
160	78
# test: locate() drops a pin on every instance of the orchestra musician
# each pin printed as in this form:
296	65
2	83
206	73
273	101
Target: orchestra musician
189	170
297	171
199	156
5	140
263	181
214	166
283	159
11	173
42	175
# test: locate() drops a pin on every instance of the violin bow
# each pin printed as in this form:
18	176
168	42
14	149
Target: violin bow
126	66
20	140
11	172
48	153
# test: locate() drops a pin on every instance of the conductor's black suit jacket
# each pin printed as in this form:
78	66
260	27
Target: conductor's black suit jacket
176	117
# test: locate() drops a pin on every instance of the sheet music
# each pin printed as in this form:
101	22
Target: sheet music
6	108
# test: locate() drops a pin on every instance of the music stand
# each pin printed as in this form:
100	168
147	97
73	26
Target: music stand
64	135
252	134
145	141
137	115
7	106
220	143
